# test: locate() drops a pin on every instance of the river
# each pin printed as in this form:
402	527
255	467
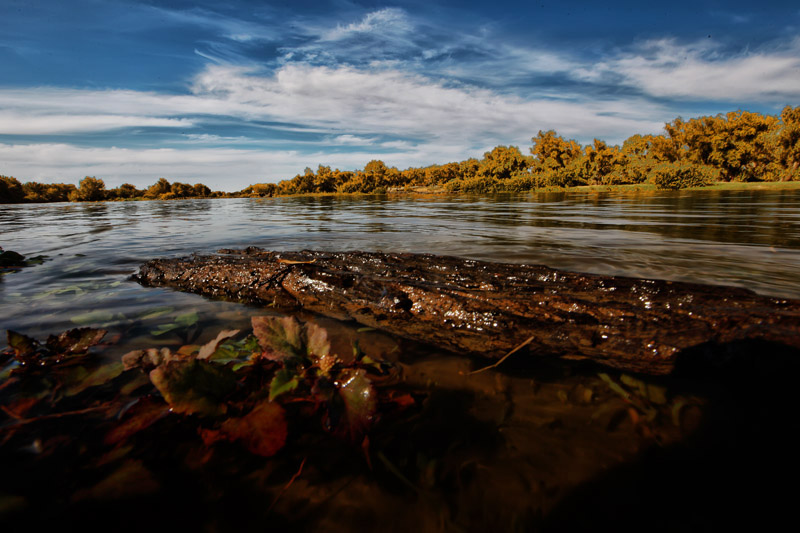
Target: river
746	239
531	445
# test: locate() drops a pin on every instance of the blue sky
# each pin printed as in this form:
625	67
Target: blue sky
239	92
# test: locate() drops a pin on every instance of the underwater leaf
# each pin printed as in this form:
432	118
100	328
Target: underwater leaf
192	386
130	479
164	328
22	345
283	382
318	347
92	317
141	415
98	376
208	349
360	401
279	337
187	319
75	341
157	312
262	431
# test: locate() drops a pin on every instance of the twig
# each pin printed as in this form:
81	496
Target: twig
289	484
26	421
506	356
290	262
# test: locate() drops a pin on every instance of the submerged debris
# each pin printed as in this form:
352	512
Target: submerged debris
481	308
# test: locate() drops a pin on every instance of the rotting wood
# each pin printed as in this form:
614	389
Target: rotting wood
477	307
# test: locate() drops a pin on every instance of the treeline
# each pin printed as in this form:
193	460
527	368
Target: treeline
737	146
93	189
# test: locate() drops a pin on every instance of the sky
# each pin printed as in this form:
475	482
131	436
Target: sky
241	92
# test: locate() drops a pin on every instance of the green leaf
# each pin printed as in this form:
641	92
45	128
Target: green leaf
192	386
280	338
157	312
187	319
93	317
22	345
164	328
360	400
283	382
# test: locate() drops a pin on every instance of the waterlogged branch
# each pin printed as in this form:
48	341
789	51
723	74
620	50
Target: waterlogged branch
476	307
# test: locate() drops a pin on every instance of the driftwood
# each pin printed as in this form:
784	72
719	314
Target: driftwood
487	308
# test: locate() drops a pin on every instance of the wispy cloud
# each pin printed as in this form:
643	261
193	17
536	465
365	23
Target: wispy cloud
389	21
14	123
701	71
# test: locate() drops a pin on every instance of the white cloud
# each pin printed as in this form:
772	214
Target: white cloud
699	71
352	140
14	123
395	102
384	22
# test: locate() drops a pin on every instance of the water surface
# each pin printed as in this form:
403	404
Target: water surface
747	239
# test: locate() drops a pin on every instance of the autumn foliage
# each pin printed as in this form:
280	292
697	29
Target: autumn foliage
737	146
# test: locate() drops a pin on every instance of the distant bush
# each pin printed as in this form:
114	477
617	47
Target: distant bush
677	176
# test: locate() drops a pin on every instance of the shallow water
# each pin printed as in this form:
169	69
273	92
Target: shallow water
747	239
520	447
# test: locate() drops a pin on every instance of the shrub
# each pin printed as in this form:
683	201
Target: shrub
677	176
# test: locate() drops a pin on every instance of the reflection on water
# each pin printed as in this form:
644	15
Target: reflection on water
745	238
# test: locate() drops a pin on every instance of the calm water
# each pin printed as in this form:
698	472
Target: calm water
749	239
522	447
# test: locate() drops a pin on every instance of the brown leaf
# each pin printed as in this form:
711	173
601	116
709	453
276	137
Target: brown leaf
192	386
75	341
262	431
140	416
209	348
319	347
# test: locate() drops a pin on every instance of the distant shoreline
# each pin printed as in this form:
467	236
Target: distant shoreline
443	192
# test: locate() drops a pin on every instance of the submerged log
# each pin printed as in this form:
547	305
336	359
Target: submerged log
485	308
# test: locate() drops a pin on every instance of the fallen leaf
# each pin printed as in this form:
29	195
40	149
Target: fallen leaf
283	382
208	349
97	377
318	347
360	401
22	345
75	341
143	414
92	317
280	338
192	386
262	431
131	479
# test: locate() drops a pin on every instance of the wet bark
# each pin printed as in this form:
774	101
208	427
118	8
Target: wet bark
484	308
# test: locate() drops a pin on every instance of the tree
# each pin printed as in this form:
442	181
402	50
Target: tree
181	190
200	191
11	191
127	190
553	152
90	189
162	186
503	162
787	144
